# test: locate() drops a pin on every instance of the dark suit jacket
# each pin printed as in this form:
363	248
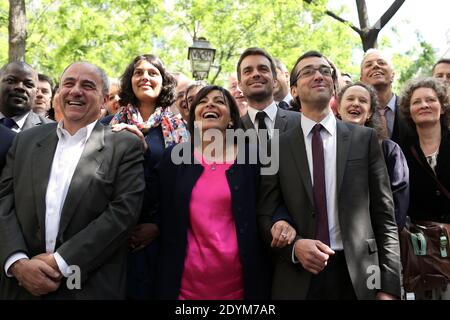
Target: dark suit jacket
427	202
102	205
33	120
365	209
402	129
398	171
6	139
171	190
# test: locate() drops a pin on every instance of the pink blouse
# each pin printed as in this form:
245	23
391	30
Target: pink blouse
212	267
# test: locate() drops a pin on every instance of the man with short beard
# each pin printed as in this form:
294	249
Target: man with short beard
256	73
18	83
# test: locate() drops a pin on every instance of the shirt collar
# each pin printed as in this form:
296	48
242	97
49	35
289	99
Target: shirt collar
392	103
82	134
329	123
270	110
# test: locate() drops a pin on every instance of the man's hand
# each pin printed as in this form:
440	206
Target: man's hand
282	234
385	296
37	277
142	235
49	259
312	254
133	129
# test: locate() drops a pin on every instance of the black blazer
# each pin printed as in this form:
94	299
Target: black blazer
6	139
427	202
171	194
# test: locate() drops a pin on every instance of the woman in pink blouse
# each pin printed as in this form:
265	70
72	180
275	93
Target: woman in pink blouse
206	210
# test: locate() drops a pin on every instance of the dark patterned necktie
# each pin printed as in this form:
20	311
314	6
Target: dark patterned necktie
319	191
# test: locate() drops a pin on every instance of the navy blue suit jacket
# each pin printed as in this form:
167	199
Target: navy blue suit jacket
398	171
6	139
171	187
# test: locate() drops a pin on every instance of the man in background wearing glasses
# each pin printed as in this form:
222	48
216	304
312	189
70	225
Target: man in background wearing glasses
333	187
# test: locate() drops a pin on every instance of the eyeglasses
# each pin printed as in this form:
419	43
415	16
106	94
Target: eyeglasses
309	71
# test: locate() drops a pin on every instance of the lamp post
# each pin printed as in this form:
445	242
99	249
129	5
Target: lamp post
201	56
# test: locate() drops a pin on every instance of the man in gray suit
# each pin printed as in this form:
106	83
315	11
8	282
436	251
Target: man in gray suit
332	186
69	195
257	74
18	87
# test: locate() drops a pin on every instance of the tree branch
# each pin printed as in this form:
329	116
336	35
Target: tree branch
335	16
388	14
351	25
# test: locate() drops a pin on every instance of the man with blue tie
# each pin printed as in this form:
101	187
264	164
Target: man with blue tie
18	87
333	187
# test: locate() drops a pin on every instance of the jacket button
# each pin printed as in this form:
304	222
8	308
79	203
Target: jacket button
236	188
438	193
241	230
313	213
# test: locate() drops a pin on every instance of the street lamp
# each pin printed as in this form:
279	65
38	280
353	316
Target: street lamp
201	56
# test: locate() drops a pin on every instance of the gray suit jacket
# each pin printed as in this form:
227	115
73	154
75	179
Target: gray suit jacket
102	205
33	120
365	210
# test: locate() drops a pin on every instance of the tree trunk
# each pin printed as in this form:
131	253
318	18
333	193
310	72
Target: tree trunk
367	33
17	30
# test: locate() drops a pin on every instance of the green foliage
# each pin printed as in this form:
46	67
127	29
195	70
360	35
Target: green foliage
112	33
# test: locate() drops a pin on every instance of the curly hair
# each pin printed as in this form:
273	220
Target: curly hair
374	120
166	96
437	85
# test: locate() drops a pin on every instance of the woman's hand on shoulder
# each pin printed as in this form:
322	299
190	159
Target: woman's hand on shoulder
133	129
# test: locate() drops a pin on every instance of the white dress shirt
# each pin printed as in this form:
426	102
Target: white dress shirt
271	112
329	138
65	160
19	120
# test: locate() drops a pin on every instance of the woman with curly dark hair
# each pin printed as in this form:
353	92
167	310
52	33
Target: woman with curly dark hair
146	93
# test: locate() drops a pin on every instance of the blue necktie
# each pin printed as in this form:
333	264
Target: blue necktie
283	105
8	122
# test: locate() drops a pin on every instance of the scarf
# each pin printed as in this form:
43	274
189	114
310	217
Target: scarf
173	128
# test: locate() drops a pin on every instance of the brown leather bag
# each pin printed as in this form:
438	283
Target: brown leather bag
425	255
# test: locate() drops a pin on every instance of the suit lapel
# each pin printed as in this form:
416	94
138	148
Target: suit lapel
31	121
41	168
247	122
280	120
298	150
343	146
90	161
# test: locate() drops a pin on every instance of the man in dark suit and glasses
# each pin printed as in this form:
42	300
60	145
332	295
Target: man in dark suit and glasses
333	187
69	196
18	87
